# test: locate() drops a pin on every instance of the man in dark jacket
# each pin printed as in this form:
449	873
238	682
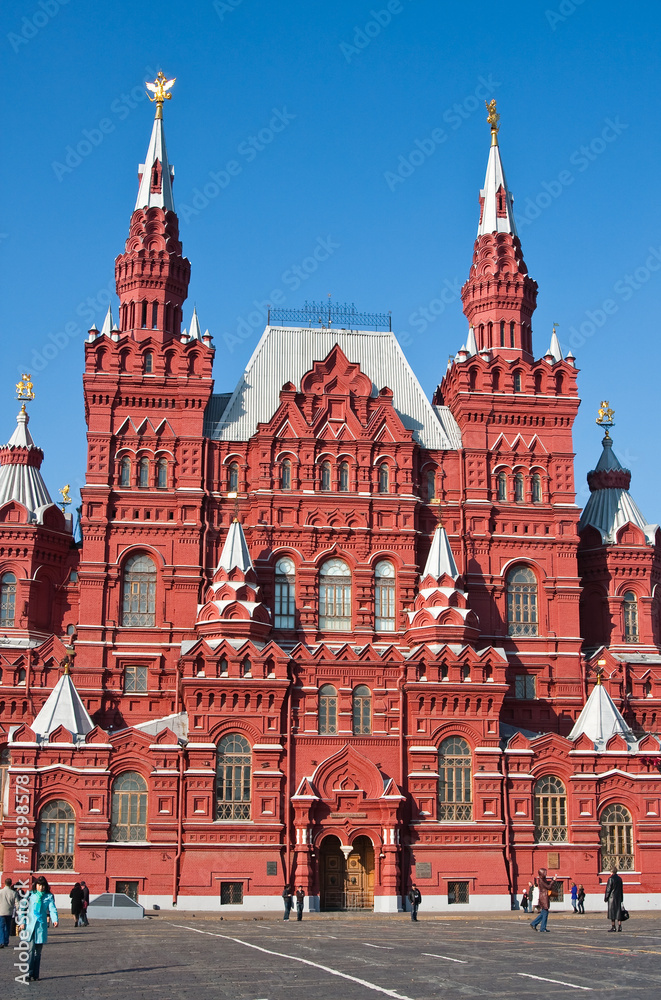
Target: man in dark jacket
415	898
286	897
614	896
300	900
545	885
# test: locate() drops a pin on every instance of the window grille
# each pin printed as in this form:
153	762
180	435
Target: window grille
630	604
335	596
231	893
522	601
139	603
454	783
327	710
616	839
7	600
135	678
550	811
285	594
233	778
525	687
458	892
362	710
385	597
128	820
57	835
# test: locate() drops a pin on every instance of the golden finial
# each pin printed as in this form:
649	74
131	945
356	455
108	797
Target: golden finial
25	388
66	497
493	119
159	89
605	416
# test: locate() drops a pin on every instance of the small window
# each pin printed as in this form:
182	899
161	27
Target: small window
231	893
362	710
385	596
630	604
143	322
233	478
149	363
285	594
162	474
458	892
135	679
519	495
502	333
344	477
384	478
517	381
143	473
512	335
125	471
7	600
327	710
430	480
536	488
325	476
525	687
502	486
154	315
285	475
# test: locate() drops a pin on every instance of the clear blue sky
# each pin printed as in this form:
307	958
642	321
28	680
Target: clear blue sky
353	96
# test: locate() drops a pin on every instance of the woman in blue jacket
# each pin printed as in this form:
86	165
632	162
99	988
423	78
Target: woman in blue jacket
40	905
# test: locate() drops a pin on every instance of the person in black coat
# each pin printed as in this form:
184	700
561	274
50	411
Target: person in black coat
415	898
614	896
76	896
287	900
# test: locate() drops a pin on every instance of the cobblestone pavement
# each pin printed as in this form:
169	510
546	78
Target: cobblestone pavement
342	957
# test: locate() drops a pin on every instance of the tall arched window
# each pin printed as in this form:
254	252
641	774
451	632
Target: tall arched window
517	381
344	477
430	483
285	593
325	476
233	778
139	597
630	605
327	710
125	471
519	495
143	473
285	475
57	835
550	811
536	488
335	596
454	780
502	486
128	812
7	600
522	617
384	478
162	474
233	478
362	710
384	574
616	838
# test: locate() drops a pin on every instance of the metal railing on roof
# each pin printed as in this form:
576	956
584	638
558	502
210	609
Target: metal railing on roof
329	314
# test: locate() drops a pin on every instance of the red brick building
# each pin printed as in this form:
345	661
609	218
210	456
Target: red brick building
269	661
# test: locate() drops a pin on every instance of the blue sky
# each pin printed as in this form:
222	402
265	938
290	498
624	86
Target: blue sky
356	87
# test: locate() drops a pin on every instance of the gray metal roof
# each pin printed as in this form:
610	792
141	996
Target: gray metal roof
20	482
609	510
215	408
285	354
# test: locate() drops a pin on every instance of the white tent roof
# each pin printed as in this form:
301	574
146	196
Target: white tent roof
600	719
440	559
63	707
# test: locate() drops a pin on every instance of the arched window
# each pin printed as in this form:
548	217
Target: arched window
325	476
518	488
148	365
162	474
502	333
327	710
57	835
517	381
495	378
362	710
630	605
616	838
538	381
285	594
233	478
7	600
335	596
472	377
550	811
385	596
233	778
430	481
536	488
384	478
128	813
344	477
502	486
522	601
285	475
143	473
454	780
125	471
139	599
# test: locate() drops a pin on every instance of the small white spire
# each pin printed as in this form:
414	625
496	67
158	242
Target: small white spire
63	707
440	559
497	207
108	326
471	343
155	189
235	554
195	331
555	350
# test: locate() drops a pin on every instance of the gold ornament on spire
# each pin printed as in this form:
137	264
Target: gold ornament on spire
605	416
159	89
493	119
25	388
66	497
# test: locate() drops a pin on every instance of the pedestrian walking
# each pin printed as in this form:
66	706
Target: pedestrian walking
7	904
77	896
86	903
300	900
41	905
524	901
614	896
574	896
544	885
286	896
581	899
415	898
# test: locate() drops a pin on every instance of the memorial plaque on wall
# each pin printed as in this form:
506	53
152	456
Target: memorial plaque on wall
423	869
553	860
271	867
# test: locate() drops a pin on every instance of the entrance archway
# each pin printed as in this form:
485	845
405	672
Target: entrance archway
346	874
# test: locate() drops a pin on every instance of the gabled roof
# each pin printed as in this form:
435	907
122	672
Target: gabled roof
601	719
285	354
63	707
161	198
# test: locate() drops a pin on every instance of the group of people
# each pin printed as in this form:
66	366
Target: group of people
288	899
537	897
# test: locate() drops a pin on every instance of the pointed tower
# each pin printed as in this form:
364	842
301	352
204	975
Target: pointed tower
233	609
63	707
499	297
20	464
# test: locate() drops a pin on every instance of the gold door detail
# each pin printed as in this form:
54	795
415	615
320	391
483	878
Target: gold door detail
347	884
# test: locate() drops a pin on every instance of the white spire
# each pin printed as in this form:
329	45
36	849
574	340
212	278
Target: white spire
195	331
497	210
108	326
19	481
471	343
554	347
63	707
162	196
600	719
440	559
235	554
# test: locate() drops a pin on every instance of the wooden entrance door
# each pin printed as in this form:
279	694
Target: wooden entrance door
332	874
359	881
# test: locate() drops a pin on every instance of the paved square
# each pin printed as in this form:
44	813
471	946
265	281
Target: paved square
342	957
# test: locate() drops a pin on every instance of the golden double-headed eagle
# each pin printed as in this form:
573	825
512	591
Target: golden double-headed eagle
605	414
159	88
25	388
